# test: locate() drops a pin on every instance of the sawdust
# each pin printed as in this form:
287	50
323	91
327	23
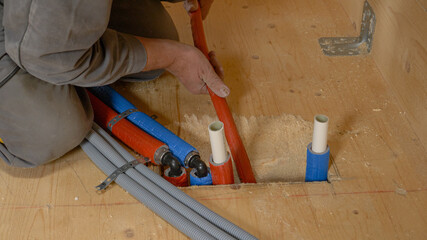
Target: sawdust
276	145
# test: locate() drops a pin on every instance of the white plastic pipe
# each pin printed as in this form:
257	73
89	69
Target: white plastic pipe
320	134
216	135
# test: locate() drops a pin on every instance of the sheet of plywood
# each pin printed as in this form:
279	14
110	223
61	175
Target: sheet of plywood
400	53
274	66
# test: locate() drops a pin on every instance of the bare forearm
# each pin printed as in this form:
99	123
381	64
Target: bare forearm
161	53
186	62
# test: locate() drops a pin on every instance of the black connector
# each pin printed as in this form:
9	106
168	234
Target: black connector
175	167
200	166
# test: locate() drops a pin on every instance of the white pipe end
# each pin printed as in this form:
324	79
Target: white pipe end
216	135
320	133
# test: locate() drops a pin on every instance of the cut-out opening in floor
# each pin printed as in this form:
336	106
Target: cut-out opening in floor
276	145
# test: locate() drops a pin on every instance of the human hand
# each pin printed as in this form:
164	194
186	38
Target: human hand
187	63
196	73
192	5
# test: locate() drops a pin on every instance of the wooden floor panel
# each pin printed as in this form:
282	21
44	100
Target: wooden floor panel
273	65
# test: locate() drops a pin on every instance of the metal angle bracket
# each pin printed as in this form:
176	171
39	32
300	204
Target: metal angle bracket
351	46
113	176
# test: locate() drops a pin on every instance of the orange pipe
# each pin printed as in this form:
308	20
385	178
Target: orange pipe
222	173
128	133
238	151
180	181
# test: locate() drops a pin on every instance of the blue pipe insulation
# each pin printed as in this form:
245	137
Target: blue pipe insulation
198	181
317	165
181	149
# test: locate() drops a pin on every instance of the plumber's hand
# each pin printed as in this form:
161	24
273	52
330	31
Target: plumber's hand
192	5
187	63
196	73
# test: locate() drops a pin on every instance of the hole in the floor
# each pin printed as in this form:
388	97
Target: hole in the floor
276	145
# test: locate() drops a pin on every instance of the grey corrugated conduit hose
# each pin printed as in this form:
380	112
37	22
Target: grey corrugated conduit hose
205	212
115	158
145	197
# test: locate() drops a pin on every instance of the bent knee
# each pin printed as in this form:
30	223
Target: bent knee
46	122
47	144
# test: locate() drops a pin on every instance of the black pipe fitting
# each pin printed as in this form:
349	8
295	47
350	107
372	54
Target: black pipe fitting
200	166
175	167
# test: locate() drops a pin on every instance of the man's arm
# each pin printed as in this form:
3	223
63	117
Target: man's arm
69	43
187	63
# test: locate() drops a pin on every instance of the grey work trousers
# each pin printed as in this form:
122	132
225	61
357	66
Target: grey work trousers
40	122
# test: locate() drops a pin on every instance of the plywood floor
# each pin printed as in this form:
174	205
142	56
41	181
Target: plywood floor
274	66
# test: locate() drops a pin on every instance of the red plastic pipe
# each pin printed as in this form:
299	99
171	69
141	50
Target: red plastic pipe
222	173
238	151
128	133
180	181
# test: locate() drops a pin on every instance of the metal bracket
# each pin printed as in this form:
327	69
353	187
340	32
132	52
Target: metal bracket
351	46
119	171
120	117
